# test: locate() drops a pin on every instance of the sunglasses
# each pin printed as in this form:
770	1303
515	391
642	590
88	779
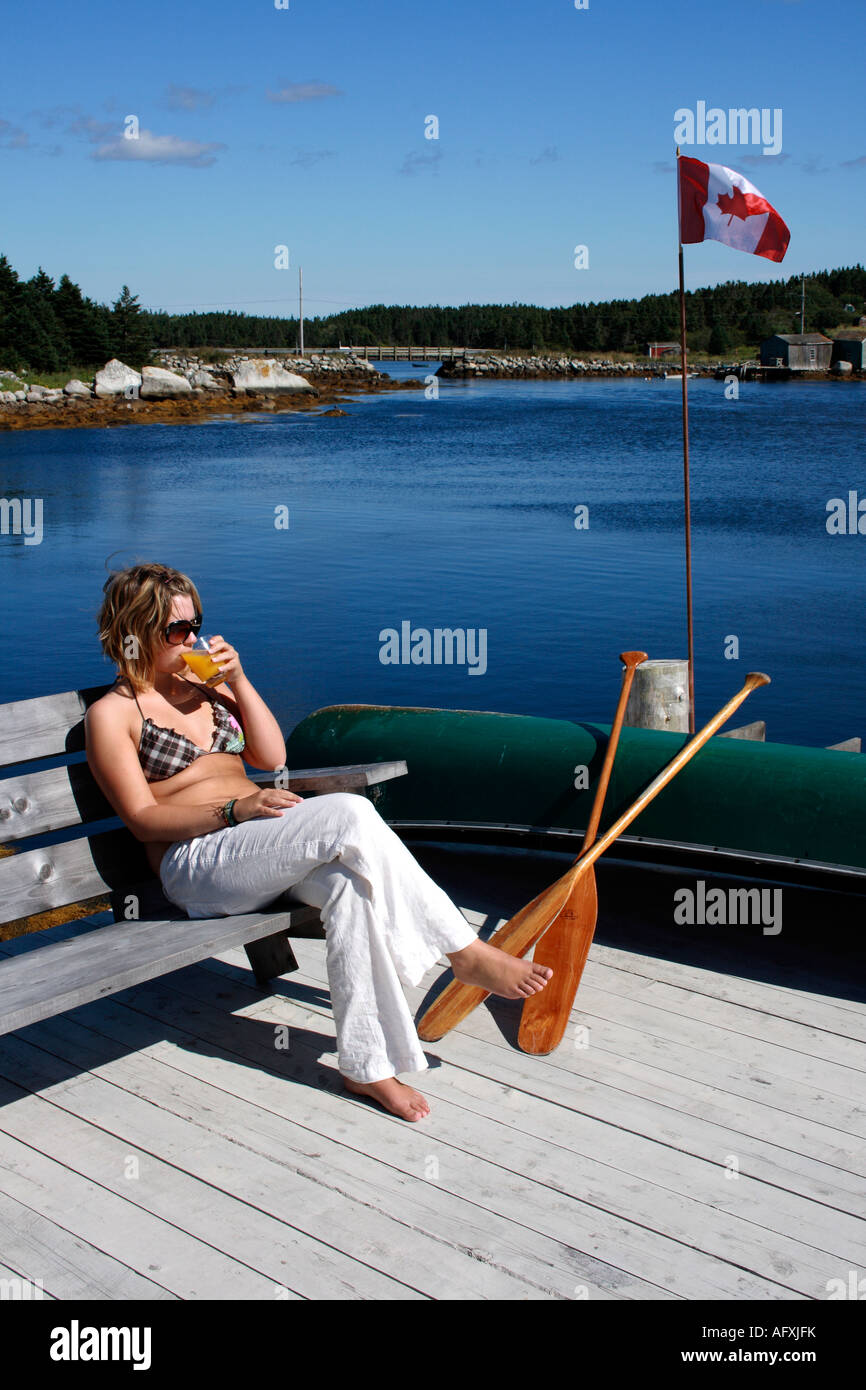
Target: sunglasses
178	631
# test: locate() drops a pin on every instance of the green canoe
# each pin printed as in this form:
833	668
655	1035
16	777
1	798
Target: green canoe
767	807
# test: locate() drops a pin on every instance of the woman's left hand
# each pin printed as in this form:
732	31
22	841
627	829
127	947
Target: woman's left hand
227	659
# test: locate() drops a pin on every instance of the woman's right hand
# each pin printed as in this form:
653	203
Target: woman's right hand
270	801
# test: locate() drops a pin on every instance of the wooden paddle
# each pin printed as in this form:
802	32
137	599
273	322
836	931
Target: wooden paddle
527	926
565	944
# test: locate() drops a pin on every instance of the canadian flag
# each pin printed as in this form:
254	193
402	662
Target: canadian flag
718	204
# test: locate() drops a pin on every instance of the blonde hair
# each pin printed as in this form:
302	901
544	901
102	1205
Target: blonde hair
135	611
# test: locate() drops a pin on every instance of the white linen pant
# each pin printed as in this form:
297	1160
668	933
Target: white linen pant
385	919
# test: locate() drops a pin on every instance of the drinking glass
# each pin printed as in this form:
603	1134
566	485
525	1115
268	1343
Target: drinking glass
199	660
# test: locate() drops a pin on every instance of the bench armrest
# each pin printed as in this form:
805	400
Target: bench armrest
352	777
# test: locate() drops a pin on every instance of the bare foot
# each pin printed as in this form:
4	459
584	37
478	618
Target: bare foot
394	1095
499	973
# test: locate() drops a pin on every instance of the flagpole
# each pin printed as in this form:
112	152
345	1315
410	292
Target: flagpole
686	490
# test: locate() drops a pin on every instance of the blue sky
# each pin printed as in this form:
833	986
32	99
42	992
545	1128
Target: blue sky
305	126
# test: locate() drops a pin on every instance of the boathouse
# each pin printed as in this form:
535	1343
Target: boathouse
801	352
662	349
849	345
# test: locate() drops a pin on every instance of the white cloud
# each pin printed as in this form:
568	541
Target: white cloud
160	149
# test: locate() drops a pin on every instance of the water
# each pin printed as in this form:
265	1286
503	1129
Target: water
459	513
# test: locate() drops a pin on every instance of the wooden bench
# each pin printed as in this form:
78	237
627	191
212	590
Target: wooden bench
80	853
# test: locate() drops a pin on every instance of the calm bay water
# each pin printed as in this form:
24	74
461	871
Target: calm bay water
459	513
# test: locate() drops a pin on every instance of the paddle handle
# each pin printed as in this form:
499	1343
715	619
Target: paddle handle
520	934
631	661
668	773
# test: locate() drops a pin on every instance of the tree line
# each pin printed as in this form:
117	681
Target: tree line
46	327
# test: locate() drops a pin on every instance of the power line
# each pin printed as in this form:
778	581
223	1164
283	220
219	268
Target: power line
232	303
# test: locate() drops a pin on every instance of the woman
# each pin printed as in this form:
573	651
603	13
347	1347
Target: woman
169	753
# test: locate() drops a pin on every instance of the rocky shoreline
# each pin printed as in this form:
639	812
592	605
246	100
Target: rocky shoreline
185	389
496	365
540	368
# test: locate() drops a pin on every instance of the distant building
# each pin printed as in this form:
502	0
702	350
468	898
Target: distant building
801	352
662	349
849	345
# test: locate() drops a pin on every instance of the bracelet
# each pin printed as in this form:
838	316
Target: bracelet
227	812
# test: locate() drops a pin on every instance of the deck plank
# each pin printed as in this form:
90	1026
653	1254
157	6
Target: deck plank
573	1175
826	1231
820	1043
388	1142
844	1016
597	1172
118	1227
204	1130
68	1266
592	1080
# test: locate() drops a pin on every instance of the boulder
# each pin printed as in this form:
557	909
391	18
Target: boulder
157	384
206	381
76	388
260	374
115	378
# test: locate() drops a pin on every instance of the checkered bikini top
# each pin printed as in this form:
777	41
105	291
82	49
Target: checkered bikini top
163	752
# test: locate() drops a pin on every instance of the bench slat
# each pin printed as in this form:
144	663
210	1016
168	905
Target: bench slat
59	797
68	873
46	726
39	984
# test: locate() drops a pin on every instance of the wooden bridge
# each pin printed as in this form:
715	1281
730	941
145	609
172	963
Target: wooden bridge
410	354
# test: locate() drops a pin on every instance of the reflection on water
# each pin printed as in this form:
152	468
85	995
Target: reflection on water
460	513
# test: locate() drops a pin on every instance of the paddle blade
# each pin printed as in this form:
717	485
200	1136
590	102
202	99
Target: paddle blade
516	938
564	947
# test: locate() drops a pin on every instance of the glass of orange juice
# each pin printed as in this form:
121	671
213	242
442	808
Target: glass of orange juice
199	660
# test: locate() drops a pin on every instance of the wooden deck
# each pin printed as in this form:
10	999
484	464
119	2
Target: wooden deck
698	1135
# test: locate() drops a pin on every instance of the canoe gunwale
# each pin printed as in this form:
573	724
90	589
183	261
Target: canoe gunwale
643	850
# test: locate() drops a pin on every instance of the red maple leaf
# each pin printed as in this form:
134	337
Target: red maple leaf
740	204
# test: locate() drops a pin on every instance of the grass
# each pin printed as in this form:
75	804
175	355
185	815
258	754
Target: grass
17	382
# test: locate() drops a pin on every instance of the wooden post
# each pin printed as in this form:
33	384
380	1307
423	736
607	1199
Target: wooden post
686	486
659	697
301	307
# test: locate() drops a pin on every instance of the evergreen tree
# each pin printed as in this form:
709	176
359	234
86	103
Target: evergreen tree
42	342
131	338
10	312
84	325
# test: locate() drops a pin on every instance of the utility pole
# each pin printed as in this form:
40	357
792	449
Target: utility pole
301	307
803	304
